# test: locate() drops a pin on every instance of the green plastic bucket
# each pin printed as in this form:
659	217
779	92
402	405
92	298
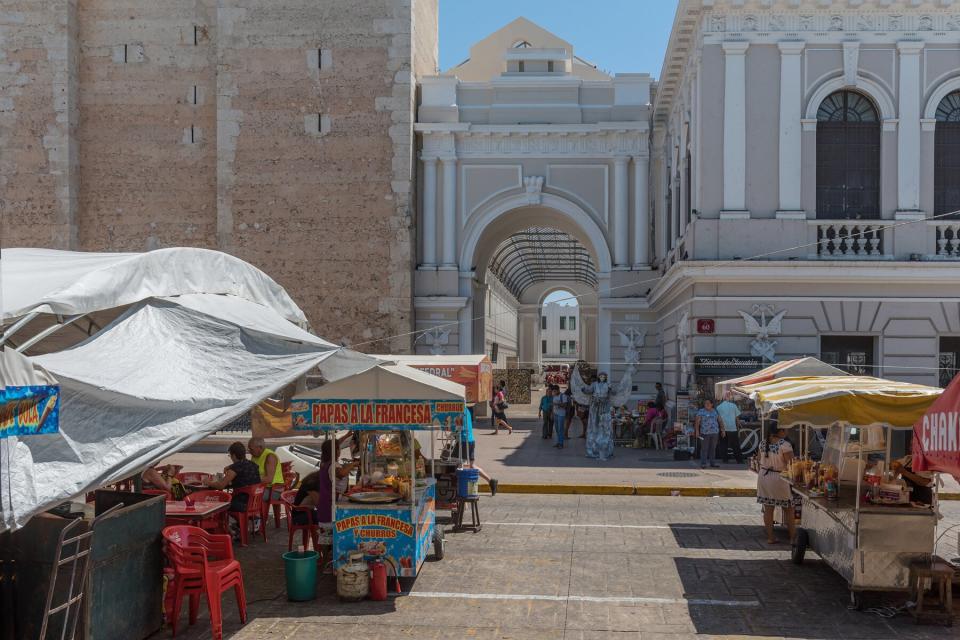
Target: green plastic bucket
301	571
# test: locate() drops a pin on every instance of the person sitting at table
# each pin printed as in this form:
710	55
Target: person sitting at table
156	478
239	473
268	464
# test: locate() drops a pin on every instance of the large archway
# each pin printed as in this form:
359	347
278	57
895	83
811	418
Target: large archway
517	255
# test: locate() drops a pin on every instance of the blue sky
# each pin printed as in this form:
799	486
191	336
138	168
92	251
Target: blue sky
619	36
565	296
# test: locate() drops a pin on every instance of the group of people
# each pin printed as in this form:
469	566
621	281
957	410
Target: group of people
717	429
557	410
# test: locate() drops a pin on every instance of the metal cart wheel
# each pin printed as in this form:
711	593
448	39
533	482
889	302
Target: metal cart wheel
437	545
800	545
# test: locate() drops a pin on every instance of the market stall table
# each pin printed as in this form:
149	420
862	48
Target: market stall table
869	533
391	516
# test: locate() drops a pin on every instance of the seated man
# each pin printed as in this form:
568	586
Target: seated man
921	483
239	473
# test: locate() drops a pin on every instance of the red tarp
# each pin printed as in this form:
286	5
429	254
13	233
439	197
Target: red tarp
936	436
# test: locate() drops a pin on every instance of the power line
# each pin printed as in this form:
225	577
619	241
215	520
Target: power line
839	238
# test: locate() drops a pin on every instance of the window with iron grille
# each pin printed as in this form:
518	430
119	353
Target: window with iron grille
848	158
946	157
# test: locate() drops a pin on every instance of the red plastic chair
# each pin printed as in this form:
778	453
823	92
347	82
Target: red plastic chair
308	531
194	477
203	563
216	523
254	495
286	467
268	500
291	480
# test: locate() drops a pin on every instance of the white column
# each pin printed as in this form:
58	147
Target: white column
449	248
908	130
429	221
465	315
620	189
790	114
641	213
734	126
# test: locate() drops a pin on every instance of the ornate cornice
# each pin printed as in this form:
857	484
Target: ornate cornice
499	144
827	19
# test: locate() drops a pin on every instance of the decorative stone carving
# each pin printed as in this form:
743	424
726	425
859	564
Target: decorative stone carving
865	23
632	342
762	346
750	23
436	338
777	23
851	62
683	335
836	23
718	23
952	23
894	23
482	144
925	24
806	23
533	187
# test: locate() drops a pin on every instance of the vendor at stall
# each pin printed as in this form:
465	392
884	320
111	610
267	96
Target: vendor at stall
920	483
773	490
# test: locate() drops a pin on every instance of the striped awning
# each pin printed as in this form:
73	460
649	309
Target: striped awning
798	367
823	400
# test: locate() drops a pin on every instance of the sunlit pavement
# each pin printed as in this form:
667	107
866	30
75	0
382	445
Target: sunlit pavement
584	567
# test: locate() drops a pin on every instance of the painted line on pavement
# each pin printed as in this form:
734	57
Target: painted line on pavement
598	526
595	599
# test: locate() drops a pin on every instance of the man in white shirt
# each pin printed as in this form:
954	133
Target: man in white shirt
730	419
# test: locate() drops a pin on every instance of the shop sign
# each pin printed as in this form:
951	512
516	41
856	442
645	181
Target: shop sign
706	325
726	365
477	379
311	415
29	410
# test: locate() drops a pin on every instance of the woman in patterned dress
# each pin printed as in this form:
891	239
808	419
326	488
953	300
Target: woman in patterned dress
772	489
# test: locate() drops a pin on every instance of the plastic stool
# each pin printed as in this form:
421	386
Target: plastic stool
940	605
474	514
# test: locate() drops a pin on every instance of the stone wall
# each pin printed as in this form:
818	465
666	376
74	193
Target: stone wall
280	132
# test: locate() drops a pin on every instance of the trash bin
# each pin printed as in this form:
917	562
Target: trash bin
300	568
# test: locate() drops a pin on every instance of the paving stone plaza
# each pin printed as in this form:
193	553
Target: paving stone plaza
586	567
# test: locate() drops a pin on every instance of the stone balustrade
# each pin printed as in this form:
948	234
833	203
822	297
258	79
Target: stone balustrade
947	236
849	239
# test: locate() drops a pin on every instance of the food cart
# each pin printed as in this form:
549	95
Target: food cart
390	513
868	533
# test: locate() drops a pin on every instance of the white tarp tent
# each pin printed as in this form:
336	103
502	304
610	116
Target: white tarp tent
202	339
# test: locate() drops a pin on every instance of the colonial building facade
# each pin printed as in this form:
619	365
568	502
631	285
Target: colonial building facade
788	191
805	182
786	187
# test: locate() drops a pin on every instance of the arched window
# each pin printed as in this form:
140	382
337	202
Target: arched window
946	158
848	157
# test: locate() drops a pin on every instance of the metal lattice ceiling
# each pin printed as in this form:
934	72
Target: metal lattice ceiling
539	254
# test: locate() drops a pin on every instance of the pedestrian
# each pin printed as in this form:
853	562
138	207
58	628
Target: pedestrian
661	398
730	417
707	429
571	407
583	412
561	406
468	448
545	412
772	489
500	410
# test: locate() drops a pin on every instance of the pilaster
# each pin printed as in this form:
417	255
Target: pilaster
791	88
449	247
621	237
734	126
908	130
429	220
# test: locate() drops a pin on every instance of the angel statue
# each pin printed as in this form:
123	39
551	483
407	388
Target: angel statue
600	396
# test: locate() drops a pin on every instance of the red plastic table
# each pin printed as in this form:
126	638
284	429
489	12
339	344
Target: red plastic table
177	513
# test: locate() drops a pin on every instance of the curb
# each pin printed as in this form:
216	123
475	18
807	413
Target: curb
639	490
624	490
